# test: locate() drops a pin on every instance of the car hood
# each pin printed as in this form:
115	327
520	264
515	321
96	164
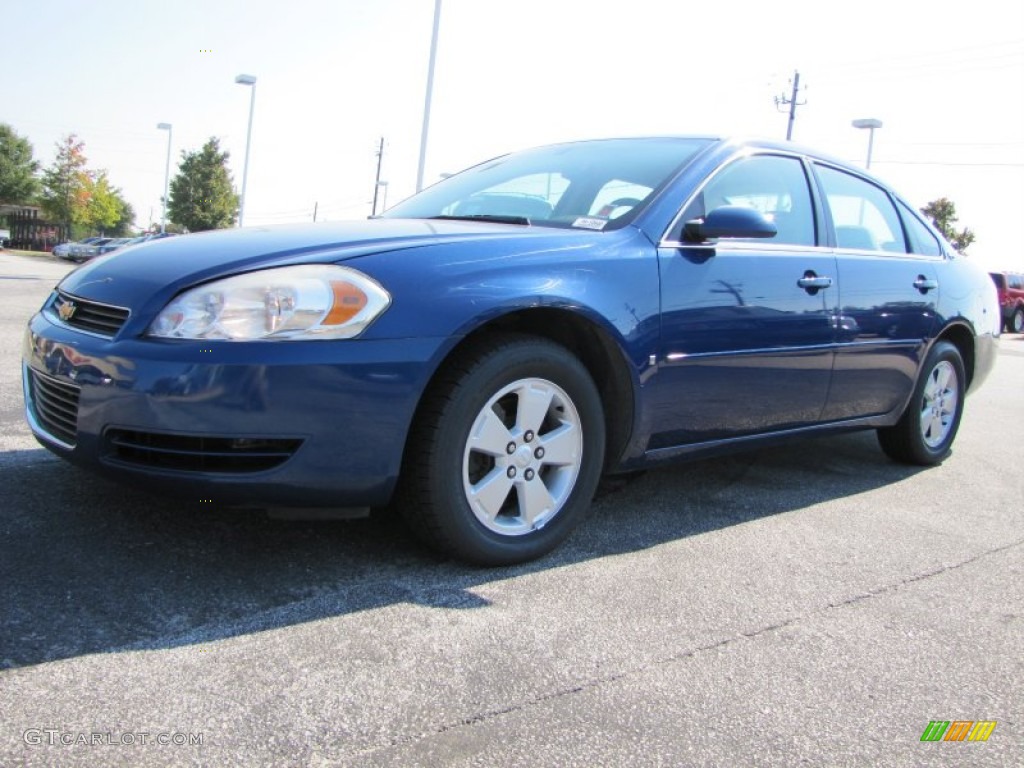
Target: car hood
164	267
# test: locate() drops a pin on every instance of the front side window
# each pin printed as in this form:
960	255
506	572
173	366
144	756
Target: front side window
863	214
770	184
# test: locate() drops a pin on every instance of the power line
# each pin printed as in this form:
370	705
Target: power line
928	162
956	143
927	58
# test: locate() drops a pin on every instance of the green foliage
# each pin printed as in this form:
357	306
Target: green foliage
65	195
170	226
18	182
202	195
84	201
942	212
103	208
125	224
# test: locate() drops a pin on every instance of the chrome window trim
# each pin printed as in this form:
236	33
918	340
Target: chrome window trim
749	245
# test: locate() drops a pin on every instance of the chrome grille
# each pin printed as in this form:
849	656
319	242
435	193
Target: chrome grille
55	406
89	315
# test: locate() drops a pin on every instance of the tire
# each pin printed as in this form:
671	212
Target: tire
506	452
1015	324
925	432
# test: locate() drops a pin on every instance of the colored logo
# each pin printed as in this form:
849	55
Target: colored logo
66	310
958	730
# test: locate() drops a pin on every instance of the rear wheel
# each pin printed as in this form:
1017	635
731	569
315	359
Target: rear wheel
506	453
1016	322
925	432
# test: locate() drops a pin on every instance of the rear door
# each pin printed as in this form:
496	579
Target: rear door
888	292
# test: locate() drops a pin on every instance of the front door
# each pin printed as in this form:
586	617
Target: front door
747	325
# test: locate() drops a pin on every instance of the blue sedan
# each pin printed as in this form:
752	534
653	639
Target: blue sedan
484	351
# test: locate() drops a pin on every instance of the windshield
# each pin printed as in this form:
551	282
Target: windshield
589	185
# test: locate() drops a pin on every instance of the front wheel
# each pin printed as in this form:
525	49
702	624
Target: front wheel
506	452
925	432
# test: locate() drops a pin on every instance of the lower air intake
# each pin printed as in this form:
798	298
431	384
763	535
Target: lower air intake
189	453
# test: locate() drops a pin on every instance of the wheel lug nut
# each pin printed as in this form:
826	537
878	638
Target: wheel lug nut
528	436
510	448
539	453
511	472
528	474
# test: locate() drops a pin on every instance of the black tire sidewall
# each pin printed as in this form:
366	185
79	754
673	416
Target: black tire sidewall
511	362
1016	322
942	351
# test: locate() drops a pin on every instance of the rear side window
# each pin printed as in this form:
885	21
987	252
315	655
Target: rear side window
863	214
999	280
774	185
921	239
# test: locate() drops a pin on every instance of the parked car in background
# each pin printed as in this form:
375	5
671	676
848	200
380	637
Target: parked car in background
1010	286
103	246
84	251
111	245
482	352
63	251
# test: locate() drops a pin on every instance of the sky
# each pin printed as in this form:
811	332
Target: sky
336	76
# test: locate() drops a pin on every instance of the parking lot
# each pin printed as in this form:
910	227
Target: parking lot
814	604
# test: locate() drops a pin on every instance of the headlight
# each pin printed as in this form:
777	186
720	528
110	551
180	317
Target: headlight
304	302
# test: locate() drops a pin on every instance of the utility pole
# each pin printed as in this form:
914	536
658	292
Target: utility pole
376	181
792	103
315	206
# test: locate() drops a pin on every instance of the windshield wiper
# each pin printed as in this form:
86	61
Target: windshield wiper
497	218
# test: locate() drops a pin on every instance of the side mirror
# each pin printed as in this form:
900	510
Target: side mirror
729	221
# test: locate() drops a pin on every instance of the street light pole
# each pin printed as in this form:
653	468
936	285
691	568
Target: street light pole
870	124
430	92
249	80
167	175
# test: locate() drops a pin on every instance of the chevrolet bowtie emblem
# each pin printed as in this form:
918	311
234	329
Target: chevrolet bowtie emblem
66	310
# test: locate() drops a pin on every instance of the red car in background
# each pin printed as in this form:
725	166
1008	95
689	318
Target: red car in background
1010	286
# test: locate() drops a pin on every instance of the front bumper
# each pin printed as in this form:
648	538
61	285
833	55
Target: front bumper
263	423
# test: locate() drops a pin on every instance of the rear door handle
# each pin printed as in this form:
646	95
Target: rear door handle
925	284
812	283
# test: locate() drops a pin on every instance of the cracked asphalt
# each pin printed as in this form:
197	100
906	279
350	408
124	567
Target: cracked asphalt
807	605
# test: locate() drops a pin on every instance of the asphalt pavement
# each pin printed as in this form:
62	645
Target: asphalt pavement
807	605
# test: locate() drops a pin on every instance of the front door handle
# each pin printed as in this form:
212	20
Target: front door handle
925	284
812	283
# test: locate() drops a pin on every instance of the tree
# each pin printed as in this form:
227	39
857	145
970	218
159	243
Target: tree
202	195
103	205
126	221
18	182
942	212
65	195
